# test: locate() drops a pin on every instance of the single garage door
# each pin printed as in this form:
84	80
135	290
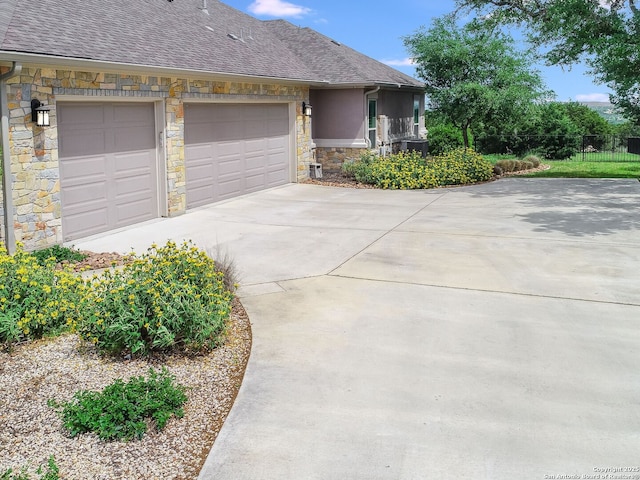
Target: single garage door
234	149
108	168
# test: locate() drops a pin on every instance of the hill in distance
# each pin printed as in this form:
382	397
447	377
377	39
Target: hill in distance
607	111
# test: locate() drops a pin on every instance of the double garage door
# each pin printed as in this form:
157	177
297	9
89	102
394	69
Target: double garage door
109	161
235	149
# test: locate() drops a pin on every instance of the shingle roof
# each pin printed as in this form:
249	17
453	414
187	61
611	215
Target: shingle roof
178	35
332	61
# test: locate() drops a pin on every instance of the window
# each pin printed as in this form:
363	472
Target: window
373	122
416	117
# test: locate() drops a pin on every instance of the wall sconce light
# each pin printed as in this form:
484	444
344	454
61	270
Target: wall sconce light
39	113
306	109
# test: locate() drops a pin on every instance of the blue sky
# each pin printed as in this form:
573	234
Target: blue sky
375	28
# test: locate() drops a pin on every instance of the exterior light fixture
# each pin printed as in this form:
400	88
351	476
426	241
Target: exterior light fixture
39	113
306	109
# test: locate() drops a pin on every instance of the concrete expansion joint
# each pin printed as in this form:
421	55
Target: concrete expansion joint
501	292
572	241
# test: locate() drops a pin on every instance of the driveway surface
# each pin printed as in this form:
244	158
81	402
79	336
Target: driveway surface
483	332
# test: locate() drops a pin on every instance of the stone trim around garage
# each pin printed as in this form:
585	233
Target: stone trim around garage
34	150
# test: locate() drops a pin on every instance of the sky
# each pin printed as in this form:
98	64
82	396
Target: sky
376	28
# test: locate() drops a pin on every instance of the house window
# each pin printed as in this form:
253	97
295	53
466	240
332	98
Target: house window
373	122
416	117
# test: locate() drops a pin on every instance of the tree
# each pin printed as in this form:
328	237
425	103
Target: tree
473	76
555	135
604	33
588	121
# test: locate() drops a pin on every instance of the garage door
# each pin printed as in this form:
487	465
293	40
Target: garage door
108	168
231	150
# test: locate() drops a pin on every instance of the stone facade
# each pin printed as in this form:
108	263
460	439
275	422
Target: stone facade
34	150
332	158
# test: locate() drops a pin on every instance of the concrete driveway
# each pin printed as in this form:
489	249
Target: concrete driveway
484	332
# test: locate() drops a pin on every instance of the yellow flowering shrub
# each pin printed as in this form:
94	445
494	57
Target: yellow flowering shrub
170	298
35	300
408	170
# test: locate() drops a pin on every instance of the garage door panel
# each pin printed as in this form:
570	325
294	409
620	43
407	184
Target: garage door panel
78	115
83	196
133	138
93	221
131	113
229	188
83	169
274	178
133	163
110	181
131	212
78	143
255	182
227	149
229	166
135	186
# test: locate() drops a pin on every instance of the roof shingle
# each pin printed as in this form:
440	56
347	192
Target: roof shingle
180	35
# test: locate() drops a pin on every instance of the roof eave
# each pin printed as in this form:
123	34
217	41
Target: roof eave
115	67
374	84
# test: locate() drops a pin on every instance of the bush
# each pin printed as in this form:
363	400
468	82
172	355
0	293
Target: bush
408	170
59	254
122	410
460	167
52	472
535	161
35	300
360	169
510	165
444	138
170	298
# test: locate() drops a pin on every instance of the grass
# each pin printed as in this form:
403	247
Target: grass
598	167
571	169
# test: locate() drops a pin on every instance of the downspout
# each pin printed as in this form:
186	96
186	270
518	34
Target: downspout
366	113
7	187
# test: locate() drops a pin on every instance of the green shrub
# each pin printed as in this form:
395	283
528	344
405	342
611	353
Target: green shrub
121	411
52	473
534	160
35	300
511	165
59	254
507	166
461	167
360	169
408	170
170	298
444	138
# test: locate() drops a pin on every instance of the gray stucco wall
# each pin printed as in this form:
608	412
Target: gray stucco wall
338	114
398	107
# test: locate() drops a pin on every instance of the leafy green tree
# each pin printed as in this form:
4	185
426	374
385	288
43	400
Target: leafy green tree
604	33
473	76
588	121
556	136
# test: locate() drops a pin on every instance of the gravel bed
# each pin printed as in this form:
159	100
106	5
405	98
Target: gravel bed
34	372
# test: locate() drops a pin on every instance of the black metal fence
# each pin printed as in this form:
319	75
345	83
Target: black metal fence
586	148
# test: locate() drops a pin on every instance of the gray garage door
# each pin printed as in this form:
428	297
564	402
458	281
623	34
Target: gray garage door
108	168
231	150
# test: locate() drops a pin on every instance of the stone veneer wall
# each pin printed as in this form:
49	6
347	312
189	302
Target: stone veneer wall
332	158
34	150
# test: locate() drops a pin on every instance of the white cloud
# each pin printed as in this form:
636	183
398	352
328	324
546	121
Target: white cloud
592	97
405	62
278	8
